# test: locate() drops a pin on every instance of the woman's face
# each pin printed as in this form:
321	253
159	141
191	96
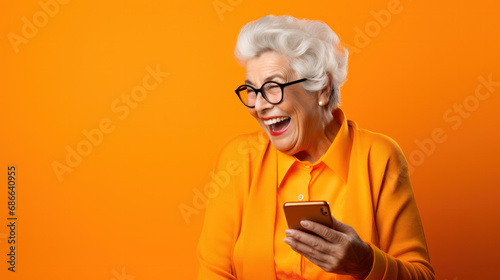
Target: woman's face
299	124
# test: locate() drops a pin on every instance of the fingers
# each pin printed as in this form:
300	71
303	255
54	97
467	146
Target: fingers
311	241
319	260
324	231
314	248
307	245
334	250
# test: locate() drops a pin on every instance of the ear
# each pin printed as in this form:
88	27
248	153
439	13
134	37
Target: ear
324	94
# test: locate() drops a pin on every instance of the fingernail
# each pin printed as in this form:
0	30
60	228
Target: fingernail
287	241
304	224
288	232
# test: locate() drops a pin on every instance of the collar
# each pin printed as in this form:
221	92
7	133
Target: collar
336	157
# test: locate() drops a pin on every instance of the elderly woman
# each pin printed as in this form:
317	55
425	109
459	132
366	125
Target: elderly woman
307	150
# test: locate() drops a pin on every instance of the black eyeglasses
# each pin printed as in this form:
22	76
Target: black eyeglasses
271	91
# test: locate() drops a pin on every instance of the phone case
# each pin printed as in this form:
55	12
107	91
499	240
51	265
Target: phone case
316	211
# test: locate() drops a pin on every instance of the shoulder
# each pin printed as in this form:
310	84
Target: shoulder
244	147
383	155
239	159
379	146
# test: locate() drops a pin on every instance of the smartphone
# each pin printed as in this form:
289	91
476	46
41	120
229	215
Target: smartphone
316	211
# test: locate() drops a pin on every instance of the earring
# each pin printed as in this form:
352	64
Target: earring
321	103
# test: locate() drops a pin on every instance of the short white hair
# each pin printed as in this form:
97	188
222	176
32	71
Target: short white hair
311	47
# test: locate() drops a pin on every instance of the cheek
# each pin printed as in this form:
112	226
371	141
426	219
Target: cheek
301	108
304	122
301	117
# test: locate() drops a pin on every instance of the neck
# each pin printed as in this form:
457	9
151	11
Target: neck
318	147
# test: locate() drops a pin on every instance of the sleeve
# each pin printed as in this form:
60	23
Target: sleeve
223	214
402	252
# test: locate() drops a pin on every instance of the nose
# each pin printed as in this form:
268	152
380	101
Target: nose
261	103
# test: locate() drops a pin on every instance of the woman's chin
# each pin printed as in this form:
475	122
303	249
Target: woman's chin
282	144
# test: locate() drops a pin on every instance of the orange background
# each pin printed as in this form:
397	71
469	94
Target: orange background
117	213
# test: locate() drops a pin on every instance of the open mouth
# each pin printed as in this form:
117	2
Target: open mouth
278	125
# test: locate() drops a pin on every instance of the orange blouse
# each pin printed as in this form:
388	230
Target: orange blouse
363	176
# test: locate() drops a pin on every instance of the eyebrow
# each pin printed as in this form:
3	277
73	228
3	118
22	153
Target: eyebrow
270	78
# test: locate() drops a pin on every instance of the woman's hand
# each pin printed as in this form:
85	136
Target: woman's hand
340	250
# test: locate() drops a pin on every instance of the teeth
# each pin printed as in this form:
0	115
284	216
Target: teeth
275	120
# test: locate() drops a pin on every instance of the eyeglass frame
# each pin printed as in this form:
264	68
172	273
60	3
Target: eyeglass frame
282	86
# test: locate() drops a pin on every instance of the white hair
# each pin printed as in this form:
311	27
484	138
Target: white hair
311	47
